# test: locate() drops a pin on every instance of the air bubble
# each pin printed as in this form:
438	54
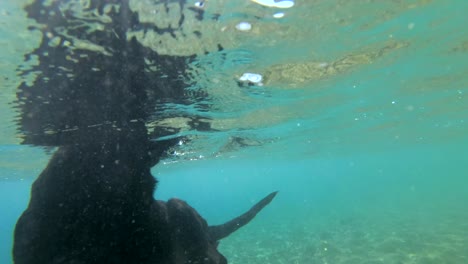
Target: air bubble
244	26
275	3
251	77
200	4
278	15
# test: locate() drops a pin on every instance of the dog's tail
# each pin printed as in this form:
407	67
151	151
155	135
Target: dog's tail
219	232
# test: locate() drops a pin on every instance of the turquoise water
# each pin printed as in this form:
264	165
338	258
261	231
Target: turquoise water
360	123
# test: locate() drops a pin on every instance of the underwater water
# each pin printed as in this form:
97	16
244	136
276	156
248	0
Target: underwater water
360	121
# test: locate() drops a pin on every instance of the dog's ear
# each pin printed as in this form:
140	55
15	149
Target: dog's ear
157	148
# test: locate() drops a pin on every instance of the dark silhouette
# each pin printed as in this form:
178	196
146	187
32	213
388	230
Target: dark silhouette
93	203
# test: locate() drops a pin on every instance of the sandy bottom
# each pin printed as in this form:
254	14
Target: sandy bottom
396	239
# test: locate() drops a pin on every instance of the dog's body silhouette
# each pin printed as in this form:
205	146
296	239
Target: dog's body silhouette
94	204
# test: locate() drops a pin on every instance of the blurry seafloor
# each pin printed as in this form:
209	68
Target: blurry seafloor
361	124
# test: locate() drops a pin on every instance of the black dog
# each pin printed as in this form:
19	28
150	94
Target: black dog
94	202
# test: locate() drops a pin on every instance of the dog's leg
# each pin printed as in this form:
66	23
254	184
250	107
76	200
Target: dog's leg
219	232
